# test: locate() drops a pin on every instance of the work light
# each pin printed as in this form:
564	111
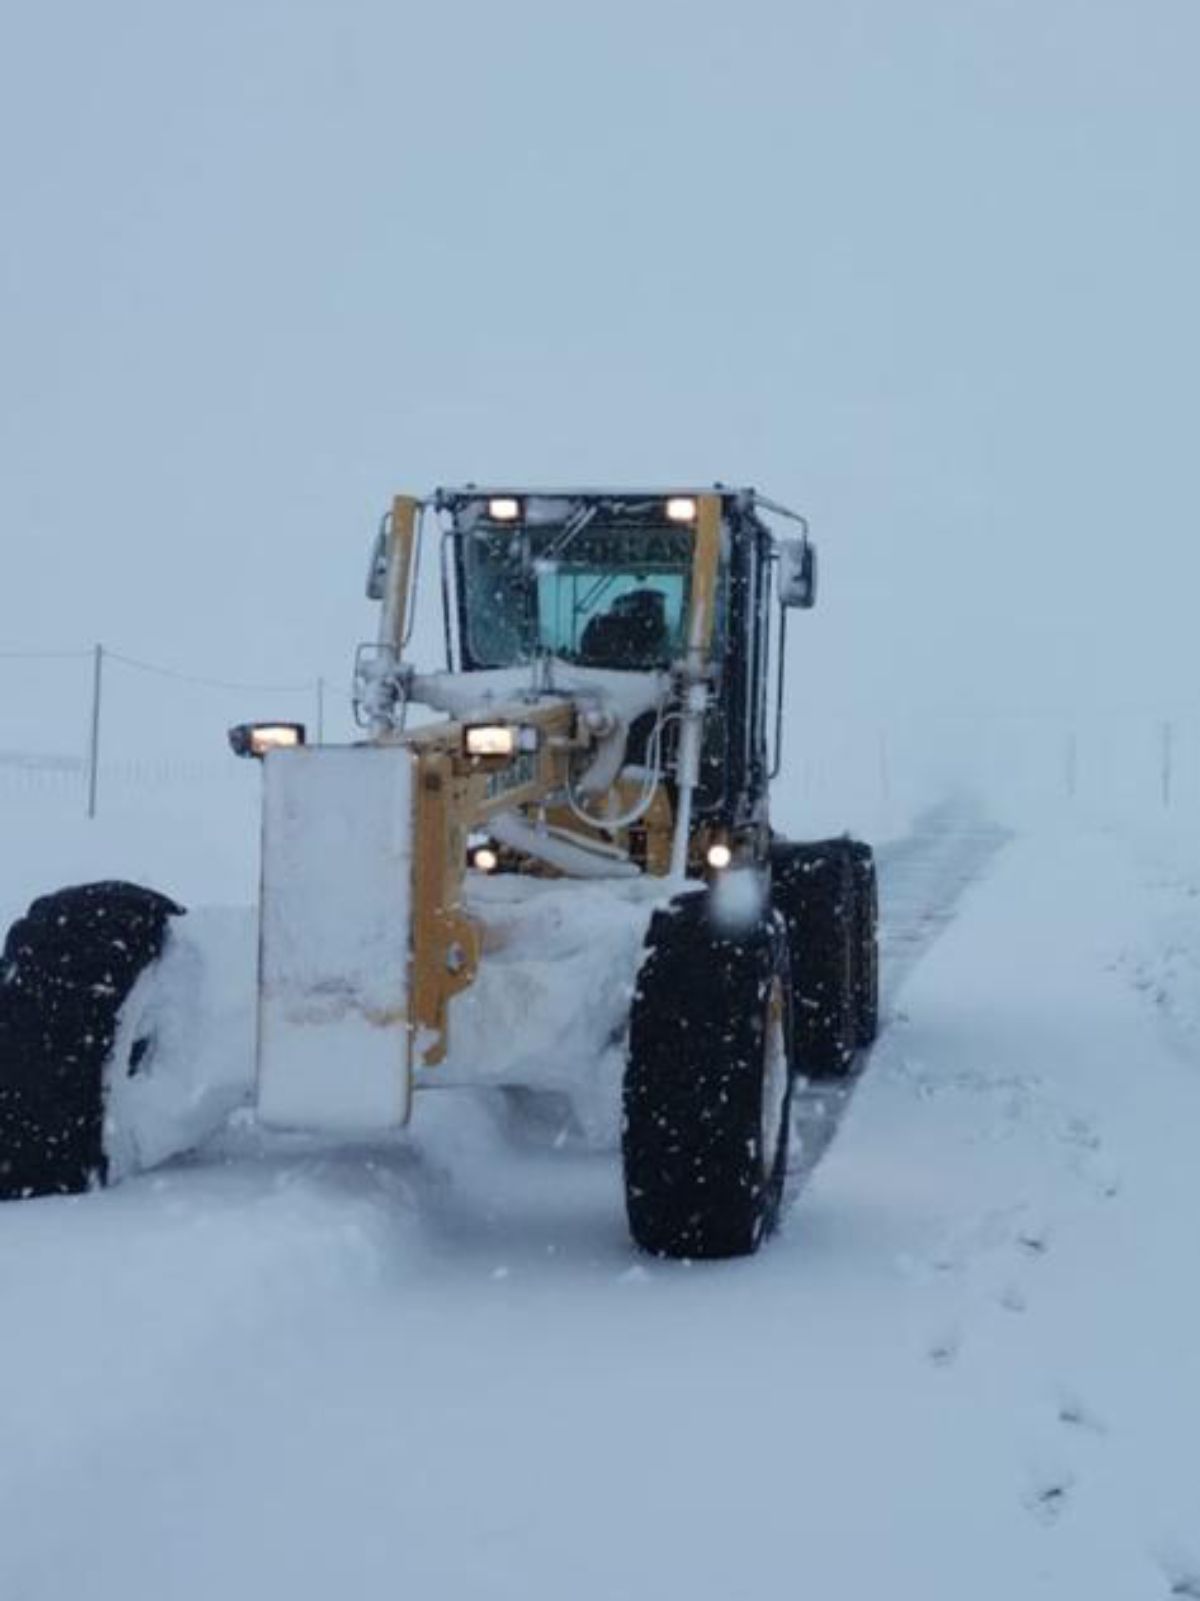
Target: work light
256	739
490	739
681	509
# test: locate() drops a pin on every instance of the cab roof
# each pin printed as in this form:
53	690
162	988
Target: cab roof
449	499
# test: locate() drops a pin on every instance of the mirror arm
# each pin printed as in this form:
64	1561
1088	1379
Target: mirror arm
448	570
778	758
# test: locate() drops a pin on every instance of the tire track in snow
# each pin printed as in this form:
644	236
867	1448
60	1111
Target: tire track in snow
922	879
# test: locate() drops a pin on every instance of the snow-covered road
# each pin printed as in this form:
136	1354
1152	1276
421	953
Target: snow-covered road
968	1367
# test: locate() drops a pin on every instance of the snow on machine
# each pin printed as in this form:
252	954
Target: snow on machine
569	882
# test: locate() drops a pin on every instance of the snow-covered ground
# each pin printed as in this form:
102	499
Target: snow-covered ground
968	1367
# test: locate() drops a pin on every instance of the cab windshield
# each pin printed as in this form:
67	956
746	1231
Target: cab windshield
609	593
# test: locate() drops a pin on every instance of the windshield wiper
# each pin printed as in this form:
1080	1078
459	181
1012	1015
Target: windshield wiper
574	525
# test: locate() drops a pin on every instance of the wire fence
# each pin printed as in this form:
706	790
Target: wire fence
96	718
89	726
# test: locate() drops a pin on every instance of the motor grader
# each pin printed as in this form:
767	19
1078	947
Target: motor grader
575	861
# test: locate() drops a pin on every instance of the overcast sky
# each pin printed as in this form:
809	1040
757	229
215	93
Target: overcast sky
928	270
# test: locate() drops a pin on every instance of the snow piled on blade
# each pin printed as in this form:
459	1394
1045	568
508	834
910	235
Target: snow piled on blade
336	930
550	1006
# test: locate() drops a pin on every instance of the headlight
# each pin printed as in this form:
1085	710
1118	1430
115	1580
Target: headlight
256	739
681	509
719	857
504	508
490	739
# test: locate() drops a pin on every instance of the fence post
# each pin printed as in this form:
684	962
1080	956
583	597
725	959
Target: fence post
94	742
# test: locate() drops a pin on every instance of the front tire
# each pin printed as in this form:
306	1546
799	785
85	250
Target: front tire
708	1083
67	970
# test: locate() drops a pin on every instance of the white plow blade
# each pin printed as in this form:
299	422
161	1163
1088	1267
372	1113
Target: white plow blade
333	964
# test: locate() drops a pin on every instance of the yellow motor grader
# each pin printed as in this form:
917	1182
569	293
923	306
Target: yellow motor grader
575	863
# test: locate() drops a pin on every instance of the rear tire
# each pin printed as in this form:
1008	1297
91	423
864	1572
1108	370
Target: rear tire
67	970
815	887
866	943
707	1102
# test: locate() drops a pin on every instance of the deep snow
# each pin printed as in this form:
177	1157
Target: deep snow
967	1367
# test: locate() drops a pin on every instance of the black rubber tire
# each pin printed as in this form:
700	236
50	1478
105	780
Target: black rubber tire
67	969
866	943
813	886
698	1180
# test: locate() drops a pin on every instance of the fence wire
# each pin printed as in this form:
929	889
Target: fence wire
155	727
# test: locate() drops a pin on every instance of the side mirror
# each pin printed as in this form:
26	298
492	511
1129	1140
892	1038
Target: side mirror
797	573
377	565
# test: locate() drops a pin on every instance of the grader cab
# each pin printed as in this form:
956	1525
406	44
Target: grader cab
577	862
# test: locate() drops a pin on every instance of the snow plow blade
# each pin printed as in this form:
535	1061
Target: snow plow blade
334	1041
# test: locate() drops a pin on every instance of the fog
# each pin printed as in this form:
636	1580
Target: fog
927	272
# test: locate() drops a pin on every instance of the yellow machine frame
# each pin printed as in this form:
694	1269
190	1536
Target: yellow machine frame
457	793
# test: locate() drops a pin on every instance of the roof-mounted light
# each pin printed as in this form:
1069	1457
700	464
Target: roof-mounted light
504	509
681	509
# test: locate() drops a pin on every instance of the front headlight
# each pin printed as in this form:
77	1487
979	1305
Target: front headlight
256	739
490	739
